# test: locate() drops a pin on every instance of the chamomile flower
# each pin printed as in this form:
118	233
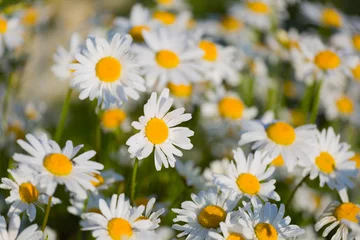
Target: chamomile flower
63	58
171	4
249	176
79	206
25	194
230	229
191	173
11	33
266	221
157	130
11	232
346	41
169	57
139	20
280	138
335	214
331	163
216	166
203	214
108	71
112	119
106	179
149	214
54	165
166	19
116	221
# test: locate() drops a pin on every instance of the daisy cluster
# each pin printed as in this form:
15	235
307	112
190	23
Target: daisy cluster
239	125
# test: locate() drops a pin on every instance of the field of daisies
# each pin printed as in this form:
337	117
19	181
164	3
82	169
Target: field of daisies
160	121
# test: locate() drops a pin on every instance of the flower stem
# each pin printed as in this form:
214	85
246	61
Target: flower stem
6	100
64	112
305	103
316	102
133	180
292	194
47	212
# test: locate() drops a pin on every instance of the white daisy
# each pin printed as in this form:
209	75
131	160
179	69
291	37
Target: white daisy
181	21
169	57
266	221
113	118
54	165
280	138
331	163
346	40
153	217
248	176
11	33
203	214
157	130
108	71
191	173
79	206
116	221
105	180
216	166
63	58
230	229
25	193
355	229
11	232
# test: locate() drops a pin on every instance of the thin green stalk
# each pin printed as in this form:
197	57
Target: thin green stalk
250	91
133	180
98	141
305	103
292	194
315	108
47	212
63	116
6	100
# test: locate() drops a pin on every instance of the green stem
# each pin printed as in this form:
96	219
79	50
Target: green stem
98	141
47	212
316	102
133	180
63	116
292	194
305	104
6	100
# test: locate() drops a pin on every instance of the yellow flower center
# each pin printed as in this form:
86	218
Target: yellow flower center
17	129
281	133
258	7
210	50
265	231
235	236
119	228
289	89
325	162
348	211
58	164
99	182
356	158
327	59
278	161
345	105
113	118
331	17
231	24
28	193
136	32
180	90
356	41
156	131
30	17
166	18
356	72
3	25
108	69
248	183
231	107
298	117
211	216
167	59
165	2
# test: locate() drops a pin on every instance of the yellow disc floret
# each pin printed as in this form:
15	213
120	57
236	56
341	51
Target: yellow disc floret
58	164
100	180
167	59
348	211
327	60
356	41
356	72
258	7
281	133
180	90
265	231
331	17
345	105
3	25
231	107
108	69
325	162
210	50
248	183
278	161
119	228
113	118
211	216
356	158
28	193
166	18
136	32
156	131
231	24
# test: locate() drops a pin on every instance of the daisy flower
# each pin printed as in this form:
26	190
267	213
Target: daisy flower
171	4
166	19
116	221
63	58
25	193
335	214
354	227
248	176
54	165
112	119
108	71
191	173
216	166
280	138
203	214
106	179
139	20
346	40
11	33
153	217
169	57
157	130
331	163
266	221
11	232
230	229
